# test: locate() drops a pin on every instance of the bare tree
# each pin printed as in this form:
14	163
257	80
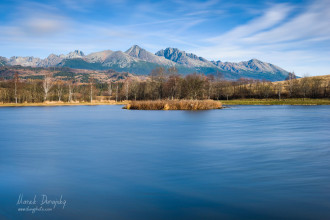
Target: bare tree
172	82
193	85
59	89
209	84
16	81
172	86
315	88
117	88
70	91
279	90
158	77
47	85
91	82
135	88
127	88
228	90
326	89
219	85
265	89
110	90
304	86
290	81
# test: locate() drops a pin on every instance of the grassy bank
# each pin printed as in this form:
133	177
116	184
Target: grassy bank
61	104
277	102
174	105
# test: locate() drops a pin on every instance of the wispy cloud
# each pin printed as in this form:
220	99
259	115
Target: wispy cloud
34	20
281	35
311	24
269	19
292	35
195	5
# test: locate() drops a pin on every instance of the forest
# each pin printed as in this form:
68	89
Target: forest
160	84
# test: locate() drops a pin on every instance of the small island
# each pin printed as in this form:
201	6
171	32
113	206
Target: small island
174	105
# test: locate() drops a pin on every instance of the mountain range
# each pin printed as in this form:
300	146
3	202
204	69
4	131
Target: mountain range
141	62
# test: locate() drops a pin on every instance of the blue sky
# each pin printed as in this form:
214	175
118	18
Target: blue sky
294	35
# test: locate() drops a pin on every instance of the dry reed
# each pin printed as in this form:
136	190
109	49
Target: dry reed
174	105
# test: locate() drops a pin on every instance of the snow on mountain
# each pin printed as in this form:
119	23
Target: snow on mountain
75	54
119	58
183	58
253	65
142	54
140	61
98	57
24	61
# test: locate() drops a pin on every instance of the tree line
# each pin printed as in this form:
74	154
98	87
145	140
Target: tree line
161	84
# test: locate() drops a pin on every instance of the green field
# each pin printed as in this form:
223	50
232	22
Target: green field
276	102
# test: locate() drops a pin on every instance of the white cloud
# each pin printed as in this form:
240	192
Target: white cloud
34	28
270	18
312	24
279	36
284	34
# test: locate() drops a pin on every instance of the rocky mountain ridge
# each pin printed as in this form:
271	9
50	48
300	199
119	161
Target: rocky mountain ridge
139	61
183	58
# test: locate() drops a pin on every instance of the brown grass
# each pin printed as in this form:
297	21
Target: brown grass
55	103
277	102
174	105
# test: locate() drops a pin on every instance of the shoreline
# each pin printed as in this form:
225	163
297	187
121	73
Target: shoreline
224	102
51	104
276	102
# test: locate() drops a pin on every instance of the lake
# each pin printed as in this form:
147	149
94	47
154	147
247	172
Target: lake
242	162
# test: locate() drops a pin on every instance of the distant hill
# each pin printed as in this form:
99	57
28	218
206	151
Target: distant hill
141	62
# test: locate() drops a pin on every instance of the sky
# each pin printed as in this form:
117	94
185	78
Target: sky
294	35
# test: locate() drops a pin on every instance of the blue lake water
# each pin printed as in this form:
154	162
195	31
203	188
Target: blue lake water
243	162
